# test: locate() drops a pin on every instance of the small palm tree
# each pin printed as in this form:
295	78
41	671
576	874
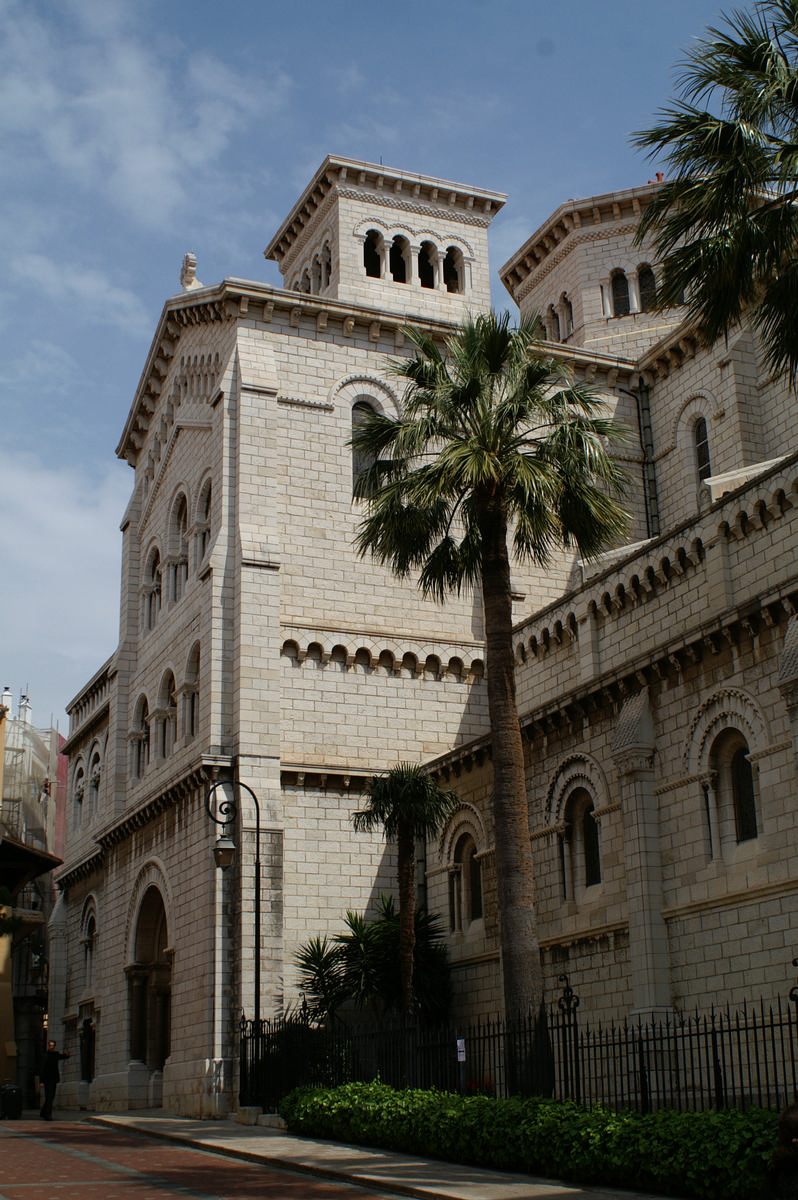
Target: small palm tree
406	803
496	447
726	223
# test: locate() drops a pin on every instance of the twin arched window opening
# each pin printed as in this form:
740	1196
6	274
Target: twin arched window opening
173	571
640	296
580	862
465	885
176	716
730	801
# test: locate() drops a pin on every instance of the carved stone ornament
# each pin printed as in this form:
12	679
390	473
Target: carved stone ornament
188	273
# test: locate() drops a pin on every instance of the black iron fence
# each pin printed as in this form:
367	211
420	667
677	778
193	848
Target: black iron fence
718	1060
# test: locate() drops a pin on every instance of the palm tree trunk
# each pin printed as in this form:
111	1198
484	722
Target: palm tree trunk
406	872
520	951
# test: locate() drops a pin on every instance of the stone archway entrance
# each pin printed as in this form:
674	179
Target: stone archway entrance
150	993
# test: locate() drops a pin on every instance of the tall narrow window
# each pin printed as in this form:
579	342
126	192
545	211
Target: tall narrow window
141	739
453	270
398	259
701	443
179	548
362	411
731	794
191	694
580	862
326	265
742	781
648	289
620	295
371	254
465	885
204	522
426	265
152	591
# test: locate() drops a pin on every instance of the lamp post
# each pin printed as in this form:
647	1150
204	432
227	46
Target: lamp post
224	853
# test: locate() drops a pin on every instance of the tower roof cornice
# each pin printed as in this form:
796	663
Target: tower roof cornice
570	218
335	173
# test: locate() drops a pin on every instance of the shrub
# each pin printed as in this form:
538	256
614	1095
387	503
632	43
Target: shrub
701	1155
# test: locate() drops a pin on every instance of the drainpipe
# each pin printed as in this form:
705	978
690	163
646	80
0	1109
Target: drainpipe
642	399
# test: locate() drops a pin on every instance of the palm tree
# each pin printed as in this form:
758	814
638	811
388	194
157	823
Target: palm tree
726	224
494	444
406	803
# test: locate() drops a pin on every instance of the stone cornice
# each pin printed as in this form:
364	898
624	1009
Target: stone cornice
369	180
610	208
240	299
127	823
96	717
70	875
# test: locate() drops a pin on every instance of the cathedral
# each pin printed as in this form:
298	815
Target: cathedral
263	667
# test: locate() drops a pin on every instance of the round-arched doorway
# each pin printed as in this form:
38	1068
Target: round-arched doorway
150	985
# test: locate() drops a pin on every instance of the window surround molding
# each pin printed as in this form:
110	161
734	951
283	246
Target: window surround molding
465	825
724	721
580	775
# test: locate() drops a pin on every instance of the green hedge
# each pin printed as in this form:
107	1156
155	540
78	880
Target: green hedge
703	1155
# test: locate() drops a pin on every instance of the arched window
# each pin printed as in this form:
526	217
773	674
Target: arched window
453	275
326	265
427	259
362	411
152	590
305	287
580	862
140	738
566	311
178	548
730	794
620	295
315	275
701	446
465	885
78	791
203	533
647	284
95	775
191	694
399	260
551	322
167	715
88	941
371	254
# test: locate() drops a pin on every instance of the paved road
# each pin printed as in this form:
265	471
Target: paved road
72	1160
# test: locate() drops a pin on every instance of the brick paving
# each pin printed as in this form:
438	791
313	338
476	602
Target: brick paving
72	1160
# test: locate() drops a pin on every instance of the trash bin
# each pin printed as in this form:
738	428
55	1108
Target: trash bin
10	1102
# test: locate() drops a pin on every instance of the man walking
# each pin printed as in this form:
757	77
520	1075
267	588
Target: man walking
50	1076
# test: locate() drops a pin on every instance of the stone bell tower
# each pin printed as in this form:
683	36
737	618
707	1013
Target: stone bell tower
377	237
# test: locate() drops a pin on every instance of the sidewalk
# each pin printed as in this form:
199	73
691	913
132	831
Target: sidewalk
382	1170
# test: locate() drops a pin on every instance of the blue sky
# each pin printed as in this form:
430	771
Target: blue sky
132	131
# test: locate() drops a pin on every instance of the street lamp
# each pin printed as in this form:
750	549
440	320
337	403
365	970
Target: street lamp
224	853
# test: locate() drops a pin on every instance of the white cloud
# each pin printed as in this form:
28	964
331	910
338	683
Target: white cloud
100	299
116	116
60	551
41	366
